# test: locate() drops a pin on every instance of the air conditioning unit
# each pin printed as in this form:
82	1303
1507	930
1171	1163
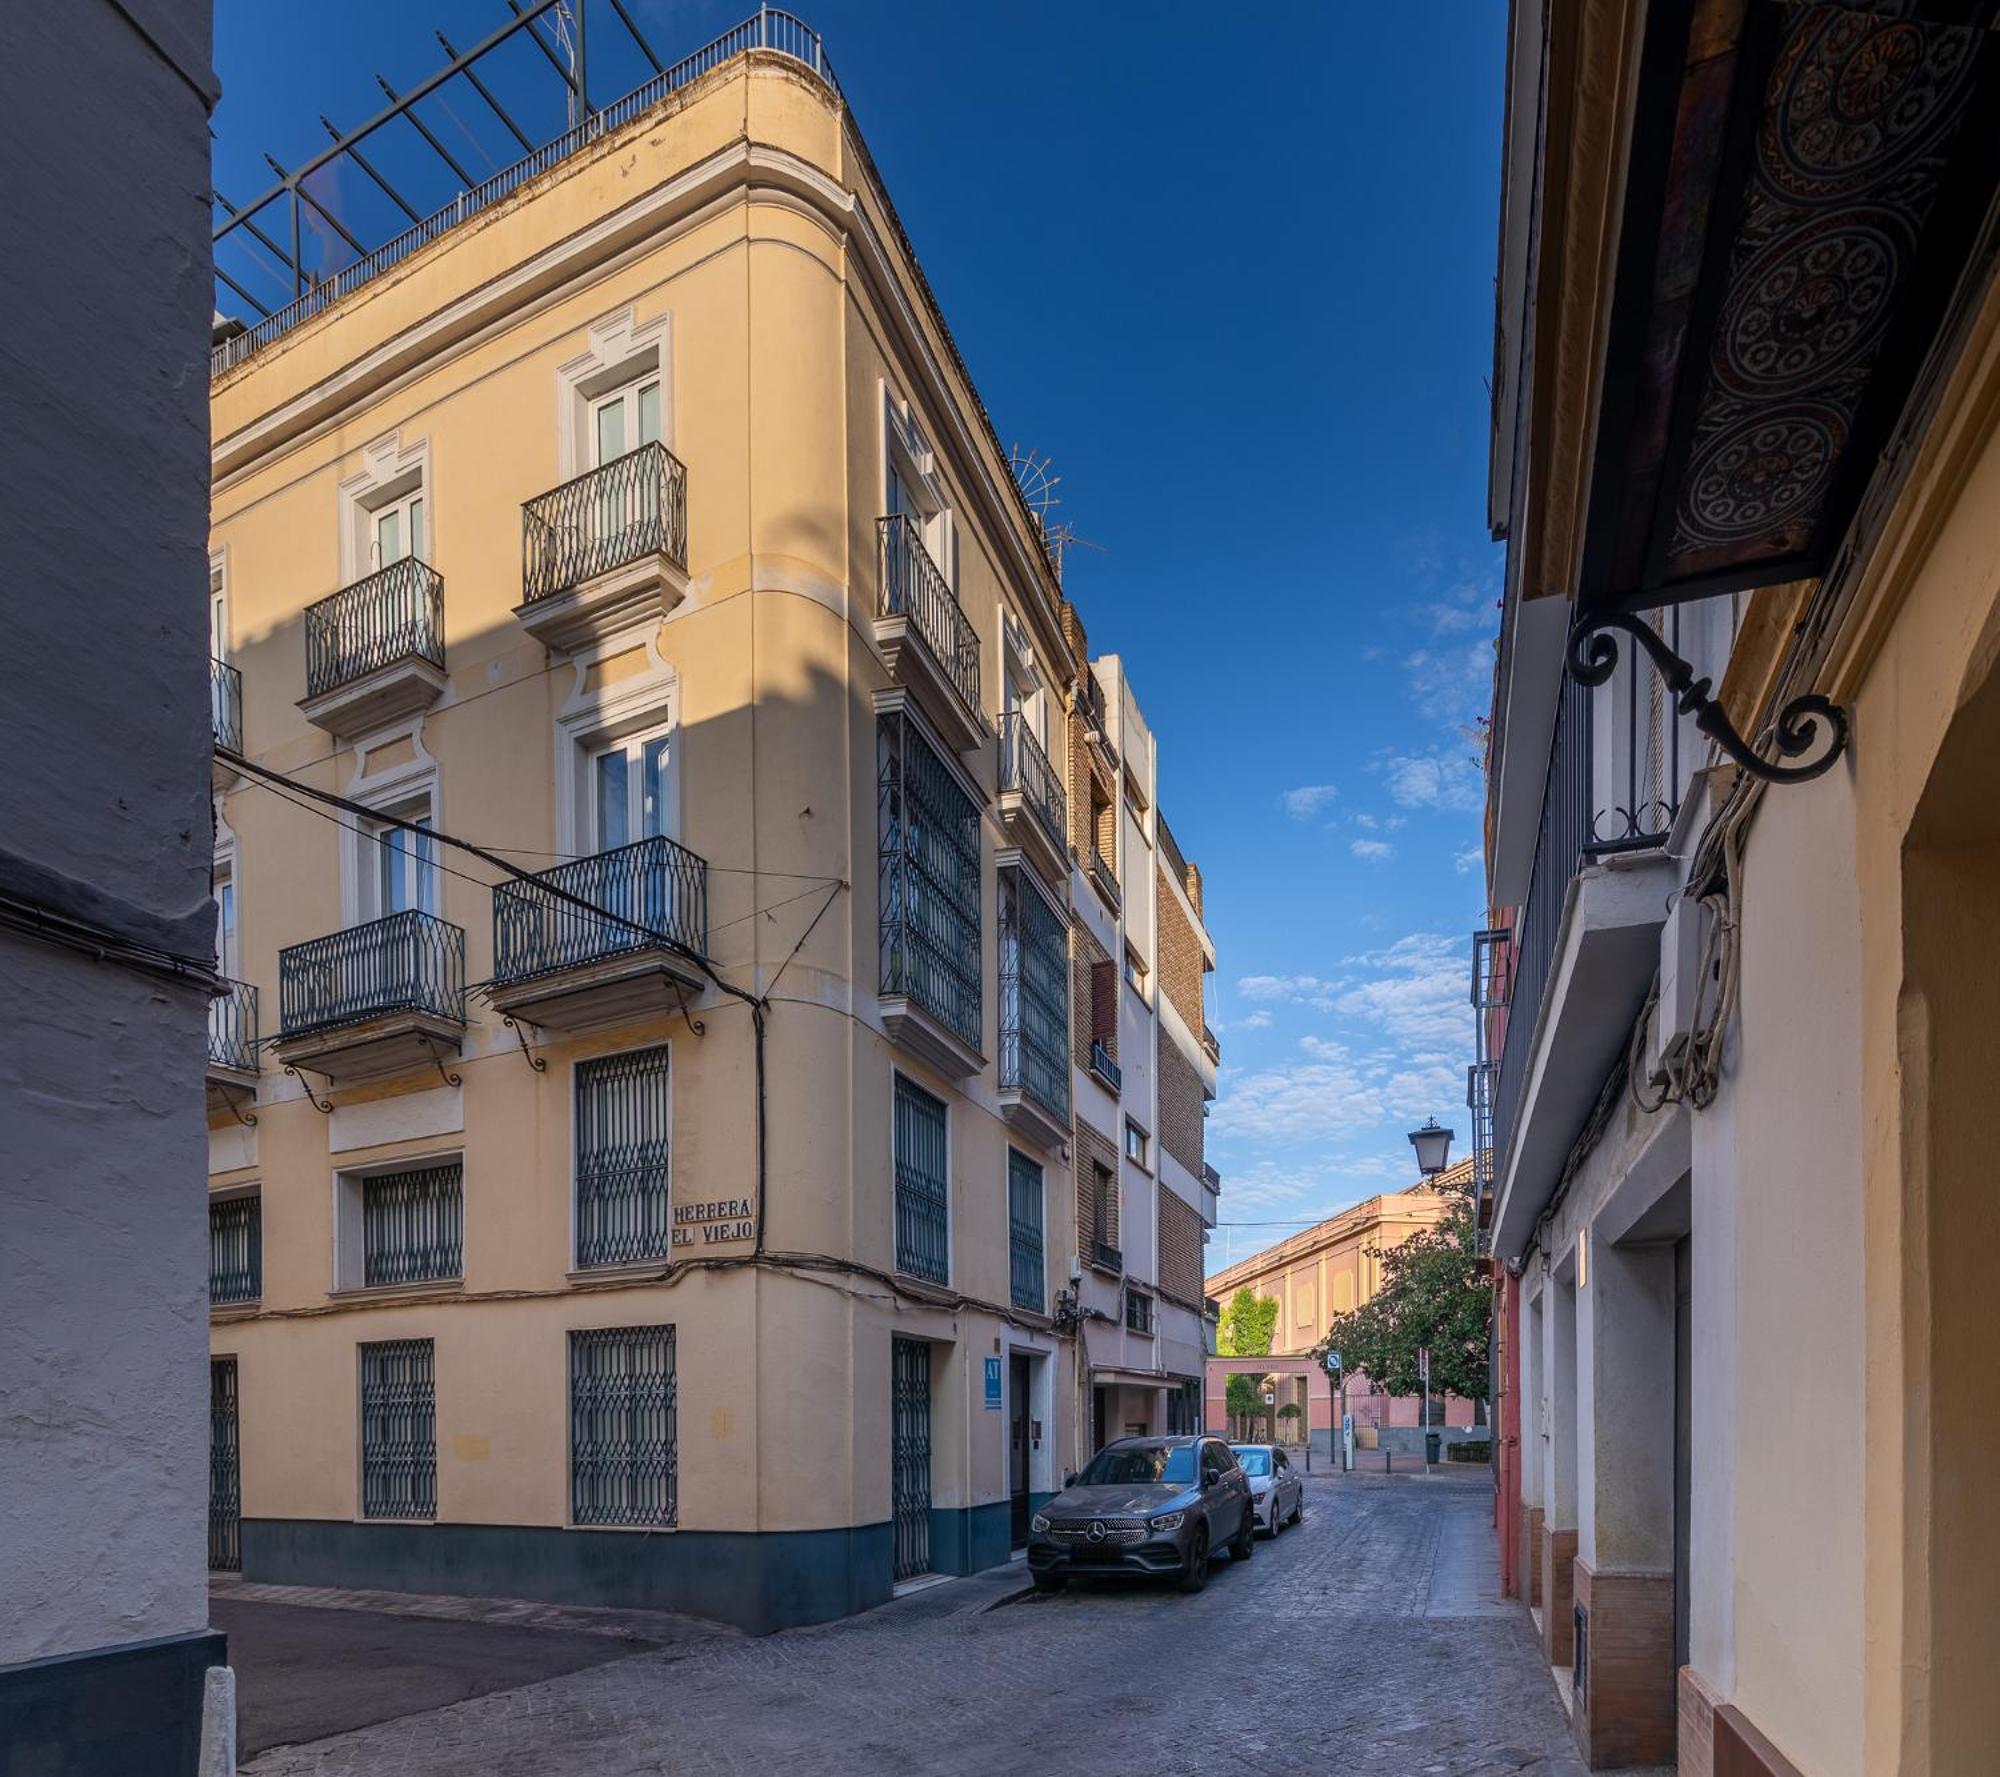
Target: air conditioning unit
1674	1017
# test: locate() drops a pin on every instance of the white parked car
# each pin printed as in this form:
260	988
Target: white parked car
1276	1492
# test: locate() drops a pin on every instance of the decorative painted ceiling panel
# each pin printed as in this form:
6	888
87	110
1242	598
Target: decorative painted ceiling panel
1807	184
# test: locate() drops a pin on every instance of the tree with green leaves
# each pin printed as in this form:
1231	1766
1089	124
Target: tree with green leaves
1430	1295
1247	1325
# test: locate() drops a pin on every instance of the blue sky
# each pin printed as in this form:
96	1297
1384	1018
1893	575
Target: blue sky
1233	272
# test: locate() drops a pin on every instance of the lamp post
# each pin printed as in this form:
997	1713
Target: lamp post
1433	1146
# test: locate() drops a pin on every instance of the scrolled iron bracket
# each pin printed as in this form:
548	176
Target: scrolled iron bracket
247	1118
1805	723
437	1061
312	1097
540	1063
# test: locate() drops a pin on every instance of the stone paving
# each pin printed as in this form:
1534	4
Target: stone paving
1366	1641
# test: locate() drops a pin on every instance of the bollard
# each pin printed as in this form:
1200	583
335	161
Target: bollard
1388	1456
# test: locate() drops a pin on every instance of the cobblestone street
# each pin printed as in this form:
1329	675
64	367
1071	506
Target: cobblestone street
1366	1641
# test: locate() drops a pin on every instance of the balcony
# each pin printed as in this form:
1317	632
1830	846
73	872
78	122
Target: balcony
602	939
375	650
927	641
373	1000
1096	723
225	719
1211	1046
1106	1257
1585	944
1105	1067
232	1046
1104	879
605	552
1034	1014
1033	806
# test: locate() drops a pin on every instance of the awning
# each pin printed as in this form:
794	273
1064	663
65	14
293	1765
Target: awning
1139	1379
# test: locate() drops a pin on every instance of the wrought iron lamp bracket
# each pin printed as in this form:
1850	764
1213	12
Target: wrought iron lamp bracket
540	1063
1803	724
324	1107
437	1061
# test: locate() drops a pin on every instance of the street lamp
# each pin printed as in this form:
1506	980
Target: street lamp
1433	1145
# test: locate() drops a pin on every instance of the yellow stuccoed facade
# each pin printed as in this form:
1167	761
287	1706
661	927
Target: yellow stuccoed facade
731	243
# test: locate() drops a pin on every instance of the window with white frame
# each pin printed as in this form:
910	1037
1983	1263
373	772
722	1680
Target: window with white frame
630	795
223	878
218	610
386	508
400	1224
624	418
397	529
1135	1143
399	867
913	488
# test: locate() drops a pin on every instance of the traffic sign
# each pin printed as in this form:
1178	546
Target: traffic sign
1333	1360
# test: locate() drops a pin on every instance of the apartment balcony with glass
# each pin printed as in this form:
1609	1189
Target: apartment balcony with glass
926	639
1034	1013
1032	804
929	901
375	650
374	999
607	549
603	938
232	1046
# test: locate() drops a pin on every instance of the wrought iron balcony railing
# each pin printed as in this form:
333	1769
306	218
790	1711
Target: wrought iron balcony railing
397	613
1106	1257
913	587
232	1027
1104	1066
631	508
225	705
1025	767
408	962
655	891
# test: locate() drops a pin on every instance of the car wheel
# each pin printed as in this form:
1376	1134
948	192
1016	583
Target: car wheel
1245	1542
1277	1519
1050	1582
1299	1508
1197	1568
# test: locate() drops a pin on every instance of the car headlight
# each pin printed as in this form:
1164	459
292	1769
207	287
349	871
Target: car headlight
1166	1521
1038	1523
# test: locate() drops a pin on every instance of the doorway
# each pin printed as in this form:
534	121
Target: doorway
910	1456
225	1496
1020	1444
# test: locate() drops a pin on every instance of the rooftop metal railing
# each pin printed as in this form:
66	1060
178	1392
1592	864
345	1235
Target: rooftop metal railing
913	586
396	613
655	890
632	507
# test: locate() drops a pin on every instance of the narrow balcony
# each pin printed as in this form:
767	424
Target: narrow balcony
602	939
1034	807
1034	1014
225	719
927	641
606	551
375	650
1106	1257
1105	880
232	1046
1105	1066
374	999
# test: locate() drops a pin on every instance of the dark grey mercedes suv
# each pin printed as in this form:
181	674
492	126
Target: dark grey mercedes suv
1145	1506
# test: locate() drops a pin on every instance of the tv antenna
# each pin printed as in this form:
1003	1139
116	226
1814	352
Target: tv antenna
1035	475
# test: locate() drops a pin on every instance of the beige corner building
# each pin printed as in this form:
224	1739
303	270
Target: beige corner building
750	1179
1744	865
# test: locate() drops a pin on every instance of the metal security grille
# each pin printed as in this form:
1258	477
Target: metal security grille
236	1249
398	1430
621	1426
929	881
413	1225
1025	1266
225	1498
923	1226
1034	996
621	1159
910	1456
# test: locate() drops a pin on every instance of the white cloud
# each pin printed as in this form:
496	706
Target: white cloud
1307	988
1316	1100
1308	800
1469	860
1452	682
1258	1020
1439	779
1417	1001
1372	851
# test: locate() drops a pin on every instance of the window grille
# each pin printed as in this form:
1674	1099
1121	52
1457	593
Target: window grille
413	1225
235	1249
398	1430
1034	996
622	1453
1138	1312
1026	1269
929	881
621	1159
923	1241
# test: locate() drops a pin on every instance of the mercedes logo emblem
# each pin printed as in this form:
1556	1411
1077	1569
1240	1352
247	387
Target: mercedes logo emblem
1096	1530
